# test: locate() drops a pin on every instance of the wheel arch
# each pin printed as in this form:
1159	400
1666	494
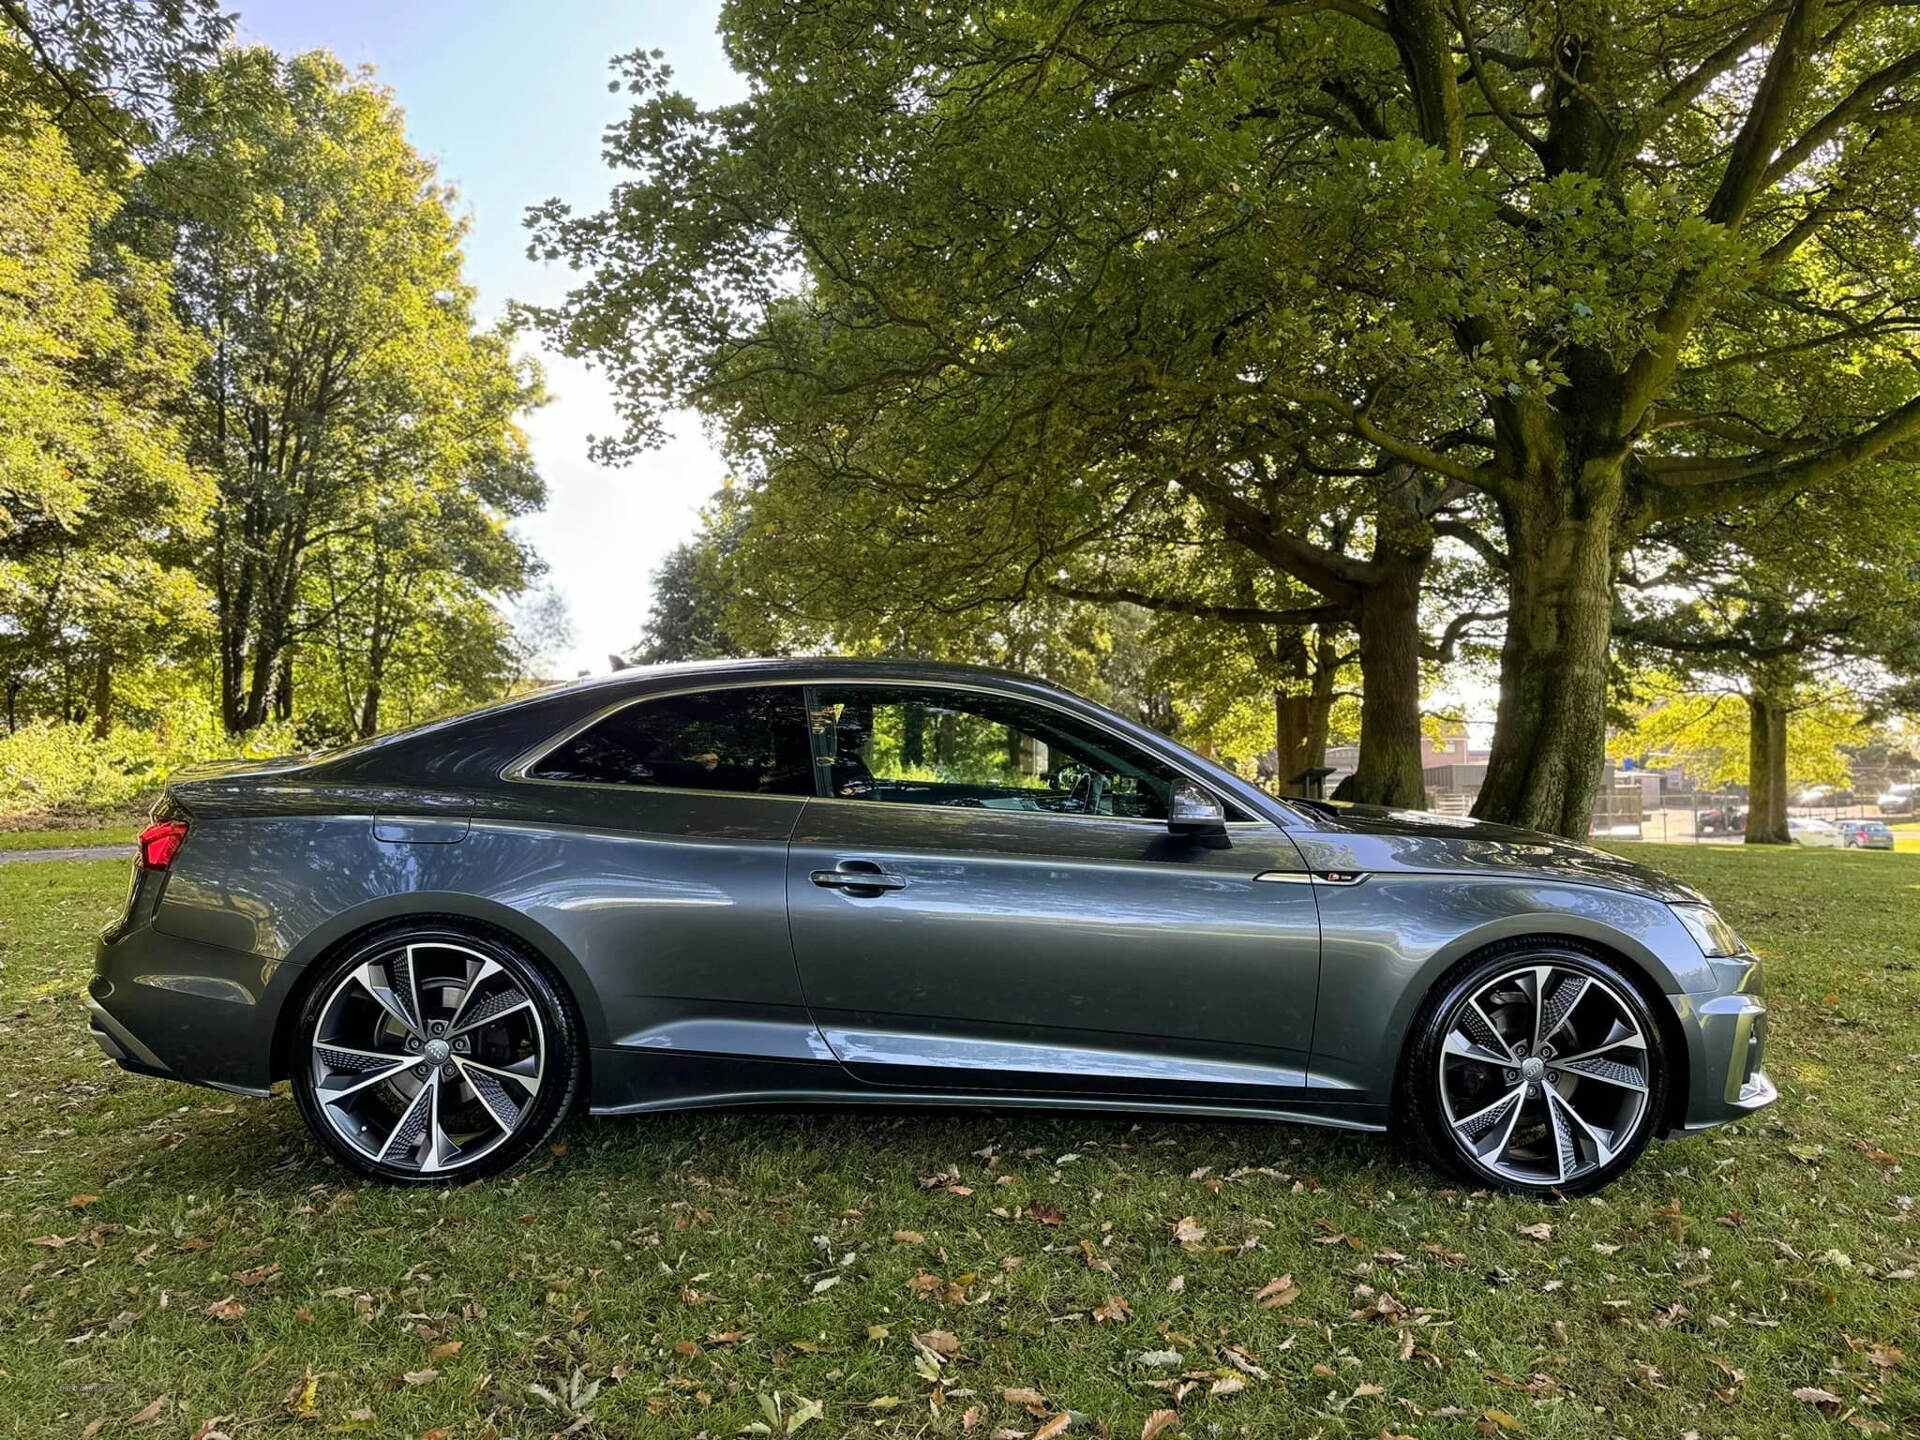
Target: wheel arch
1672	1035
460	912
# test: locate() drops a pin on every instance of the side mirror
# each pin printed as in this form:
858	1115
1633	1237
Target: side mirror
1194	814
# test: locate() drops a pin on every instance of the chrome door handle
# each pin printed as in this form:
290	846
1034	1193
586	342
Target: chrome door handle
875	880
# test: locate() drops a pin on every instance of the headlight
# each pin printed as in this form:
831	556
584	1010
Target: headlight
1713	935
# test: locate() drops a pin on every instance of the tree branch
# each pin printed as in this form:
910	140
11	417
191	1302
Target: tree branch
1201	610
1473	539
1836	119
1759	137
1776	476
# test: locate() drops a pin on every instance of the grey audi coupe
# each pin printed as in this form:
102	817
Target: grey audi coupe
797	881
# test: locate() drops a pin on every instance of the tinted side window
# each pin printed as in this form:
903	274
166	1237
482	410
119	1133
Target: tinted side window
973	751
752	741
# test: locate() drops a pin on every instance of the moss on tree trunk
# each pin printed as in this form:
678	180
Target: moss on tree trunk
1766	768
1550	739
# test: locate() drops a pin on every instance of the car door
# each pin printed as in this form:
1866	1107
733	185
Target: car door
652	840
990	896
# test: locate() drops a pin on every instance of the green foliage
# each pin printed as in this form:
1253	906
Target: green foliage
91	359
252	437
48	765
361	429
1706	735
102	68
988	299
692	595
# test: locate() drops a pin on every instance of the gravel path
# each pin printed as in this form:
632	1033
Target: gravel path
69	852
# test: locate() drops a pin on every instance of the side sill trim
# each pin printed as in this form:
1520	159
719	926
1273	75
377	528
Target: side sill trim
972	1100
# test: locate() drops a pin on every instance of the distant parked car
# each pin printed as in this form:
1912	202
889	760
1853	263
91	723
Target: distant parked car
1901	800
1824	795
1808	831
1722	820
1864	835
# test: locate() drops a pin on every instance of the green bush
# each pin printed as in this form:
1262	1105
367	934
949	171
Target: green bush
47	765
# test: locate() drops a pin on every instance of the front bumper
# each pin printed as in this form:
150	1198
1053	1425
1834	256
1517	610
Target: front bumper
184	1010
1726	1034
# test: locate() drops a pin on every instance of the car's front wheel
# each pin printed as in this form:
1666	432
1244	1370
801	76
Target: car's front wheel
429	1056
1539	1069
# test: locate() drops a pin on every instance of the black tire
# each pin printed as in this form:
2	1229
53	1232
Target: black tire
1424	1111
518	1069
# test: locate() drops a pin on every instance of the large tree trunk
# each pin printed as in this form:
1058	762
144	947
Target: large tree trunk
1301	718
1299	728
1767	768
1549	740
1389	771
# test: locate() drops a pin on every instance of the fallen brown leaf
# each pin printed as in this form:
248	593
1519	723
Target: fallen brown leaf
940	1342
1277	1292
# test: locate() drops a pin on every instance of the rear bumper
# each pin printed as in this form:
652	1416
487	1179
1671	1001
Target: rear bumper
1726	1043
185	1010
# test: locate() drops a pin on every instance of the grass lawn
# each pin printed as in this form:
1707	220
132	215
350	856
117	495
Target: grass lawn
177	1262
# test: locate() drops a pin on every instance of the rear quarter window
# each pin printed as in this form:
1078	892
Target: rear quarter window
751	741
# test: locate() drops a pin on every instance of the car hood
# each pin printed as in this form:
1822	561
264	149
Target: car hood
1370	837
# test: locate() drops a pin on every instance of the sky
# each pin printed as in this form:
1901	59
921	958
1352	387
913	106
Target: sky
510	99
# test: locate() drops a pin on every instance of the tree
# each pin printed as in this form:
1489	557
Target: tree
97	500
1708	733
1796	599
407	586
1600	269
92	364
100	70
1015	443
691	597
348	399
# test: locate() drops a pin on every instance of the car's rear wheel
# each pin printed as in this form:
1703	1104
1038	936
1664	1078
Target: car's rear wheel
430	1056
1539	1069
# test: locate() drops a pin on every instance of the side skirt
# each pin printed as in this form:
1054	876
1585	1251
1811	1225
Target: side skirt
626	1083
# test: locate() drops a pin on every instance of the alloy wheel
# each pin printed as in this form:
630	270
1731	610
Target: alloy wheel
1545	1074
427	1057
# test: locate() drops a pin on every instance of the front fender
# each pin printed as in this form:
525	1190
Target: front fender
1386	942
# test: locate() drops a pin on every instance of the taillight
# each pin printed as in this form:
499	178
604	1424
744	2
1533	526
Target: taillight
160	842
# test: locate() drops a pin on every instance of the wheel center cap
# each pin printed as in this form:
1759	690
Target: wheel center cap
437	1052
1531	1068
